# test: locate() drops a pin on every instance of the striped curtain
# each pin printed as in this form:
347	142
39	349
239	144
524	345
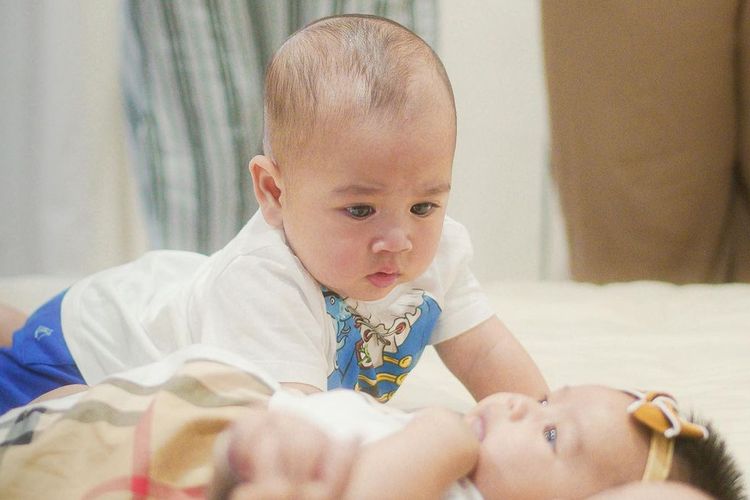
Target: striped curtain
192	75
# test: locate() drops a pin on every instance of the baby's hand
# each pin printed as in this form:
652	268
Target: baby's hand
276	456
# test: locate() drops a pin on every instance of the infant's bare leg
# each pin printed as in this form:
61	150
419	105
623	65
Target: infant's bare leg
65	390
11	319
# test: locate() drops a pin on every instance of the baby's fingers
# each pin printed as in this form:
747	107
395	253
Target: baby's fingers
283	490
303	449
336	468
273	490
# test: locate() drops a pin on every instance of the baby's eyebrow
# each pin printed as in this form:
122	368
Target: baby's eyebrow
576	443
369	189
572	425
356	189
359	189
441	188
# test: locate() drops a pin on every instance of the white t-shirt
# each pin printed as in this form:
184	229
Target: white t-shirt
255	298
346	414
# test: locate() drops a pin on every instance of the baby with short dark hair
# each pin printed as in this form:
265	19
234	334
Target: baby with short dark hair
350	268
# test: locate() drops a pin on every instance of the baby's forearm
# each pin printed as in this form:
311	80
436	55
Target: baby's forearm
422	460
489	359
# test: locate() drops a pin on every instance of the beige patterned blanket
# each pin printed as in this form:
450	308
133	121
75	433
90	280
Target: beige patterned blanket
123	439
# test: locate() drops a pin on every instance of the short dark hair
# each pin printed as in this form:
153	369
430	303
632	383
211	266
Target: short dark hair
341	66
707	464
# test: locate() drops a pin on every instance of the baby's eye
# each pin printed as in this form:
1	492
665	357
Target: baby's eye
423	209
550	434
360	211
543	401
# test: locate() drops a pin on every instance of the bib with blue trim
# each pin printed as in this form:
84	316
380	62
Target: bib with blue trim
378	343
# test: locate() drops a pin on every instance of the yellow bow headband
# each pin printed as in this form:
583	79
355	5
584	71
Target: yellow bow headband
658	411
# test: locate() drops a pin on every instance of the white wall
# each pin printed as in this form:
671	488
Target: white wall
492	52
67	203
62	58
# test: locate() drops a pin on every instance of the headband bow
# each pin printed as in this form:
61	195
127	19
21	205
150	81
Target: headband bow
659	413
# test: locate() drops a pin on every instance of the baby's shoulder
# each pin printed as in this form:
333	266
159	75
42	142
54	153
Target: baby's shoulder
455	245
259	258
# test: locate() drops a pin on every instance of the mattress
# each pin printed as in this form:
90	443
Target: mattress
690	340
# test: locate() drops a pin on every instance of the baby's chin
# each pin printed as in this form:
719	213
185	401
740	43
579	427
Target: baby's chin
476	424
364	293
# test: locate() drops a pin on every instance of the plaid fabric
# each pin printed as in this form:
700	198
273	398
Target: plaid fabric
122	439
192	75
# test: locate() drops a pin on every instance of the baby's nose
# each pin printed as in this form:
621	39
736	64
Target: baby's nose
394	239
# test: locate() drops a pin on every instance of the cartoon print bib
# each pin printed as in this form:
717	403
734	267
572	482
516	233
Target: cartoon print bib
378	344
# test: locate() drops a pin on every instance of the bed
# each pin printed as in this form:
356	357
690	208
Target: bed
693	341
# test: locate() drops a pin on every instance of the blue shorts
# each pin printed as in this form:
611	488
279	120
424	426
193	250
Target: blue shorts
38	360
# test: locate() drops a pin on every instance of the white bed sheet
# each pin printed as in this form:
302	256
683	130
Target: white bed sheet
693	341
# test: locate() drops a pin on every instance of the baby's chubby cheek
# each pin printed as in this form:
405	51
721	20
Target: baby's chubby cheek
339	269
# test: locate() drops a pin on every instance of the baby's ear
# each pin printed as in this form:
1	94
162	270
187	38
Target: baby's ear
267	187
